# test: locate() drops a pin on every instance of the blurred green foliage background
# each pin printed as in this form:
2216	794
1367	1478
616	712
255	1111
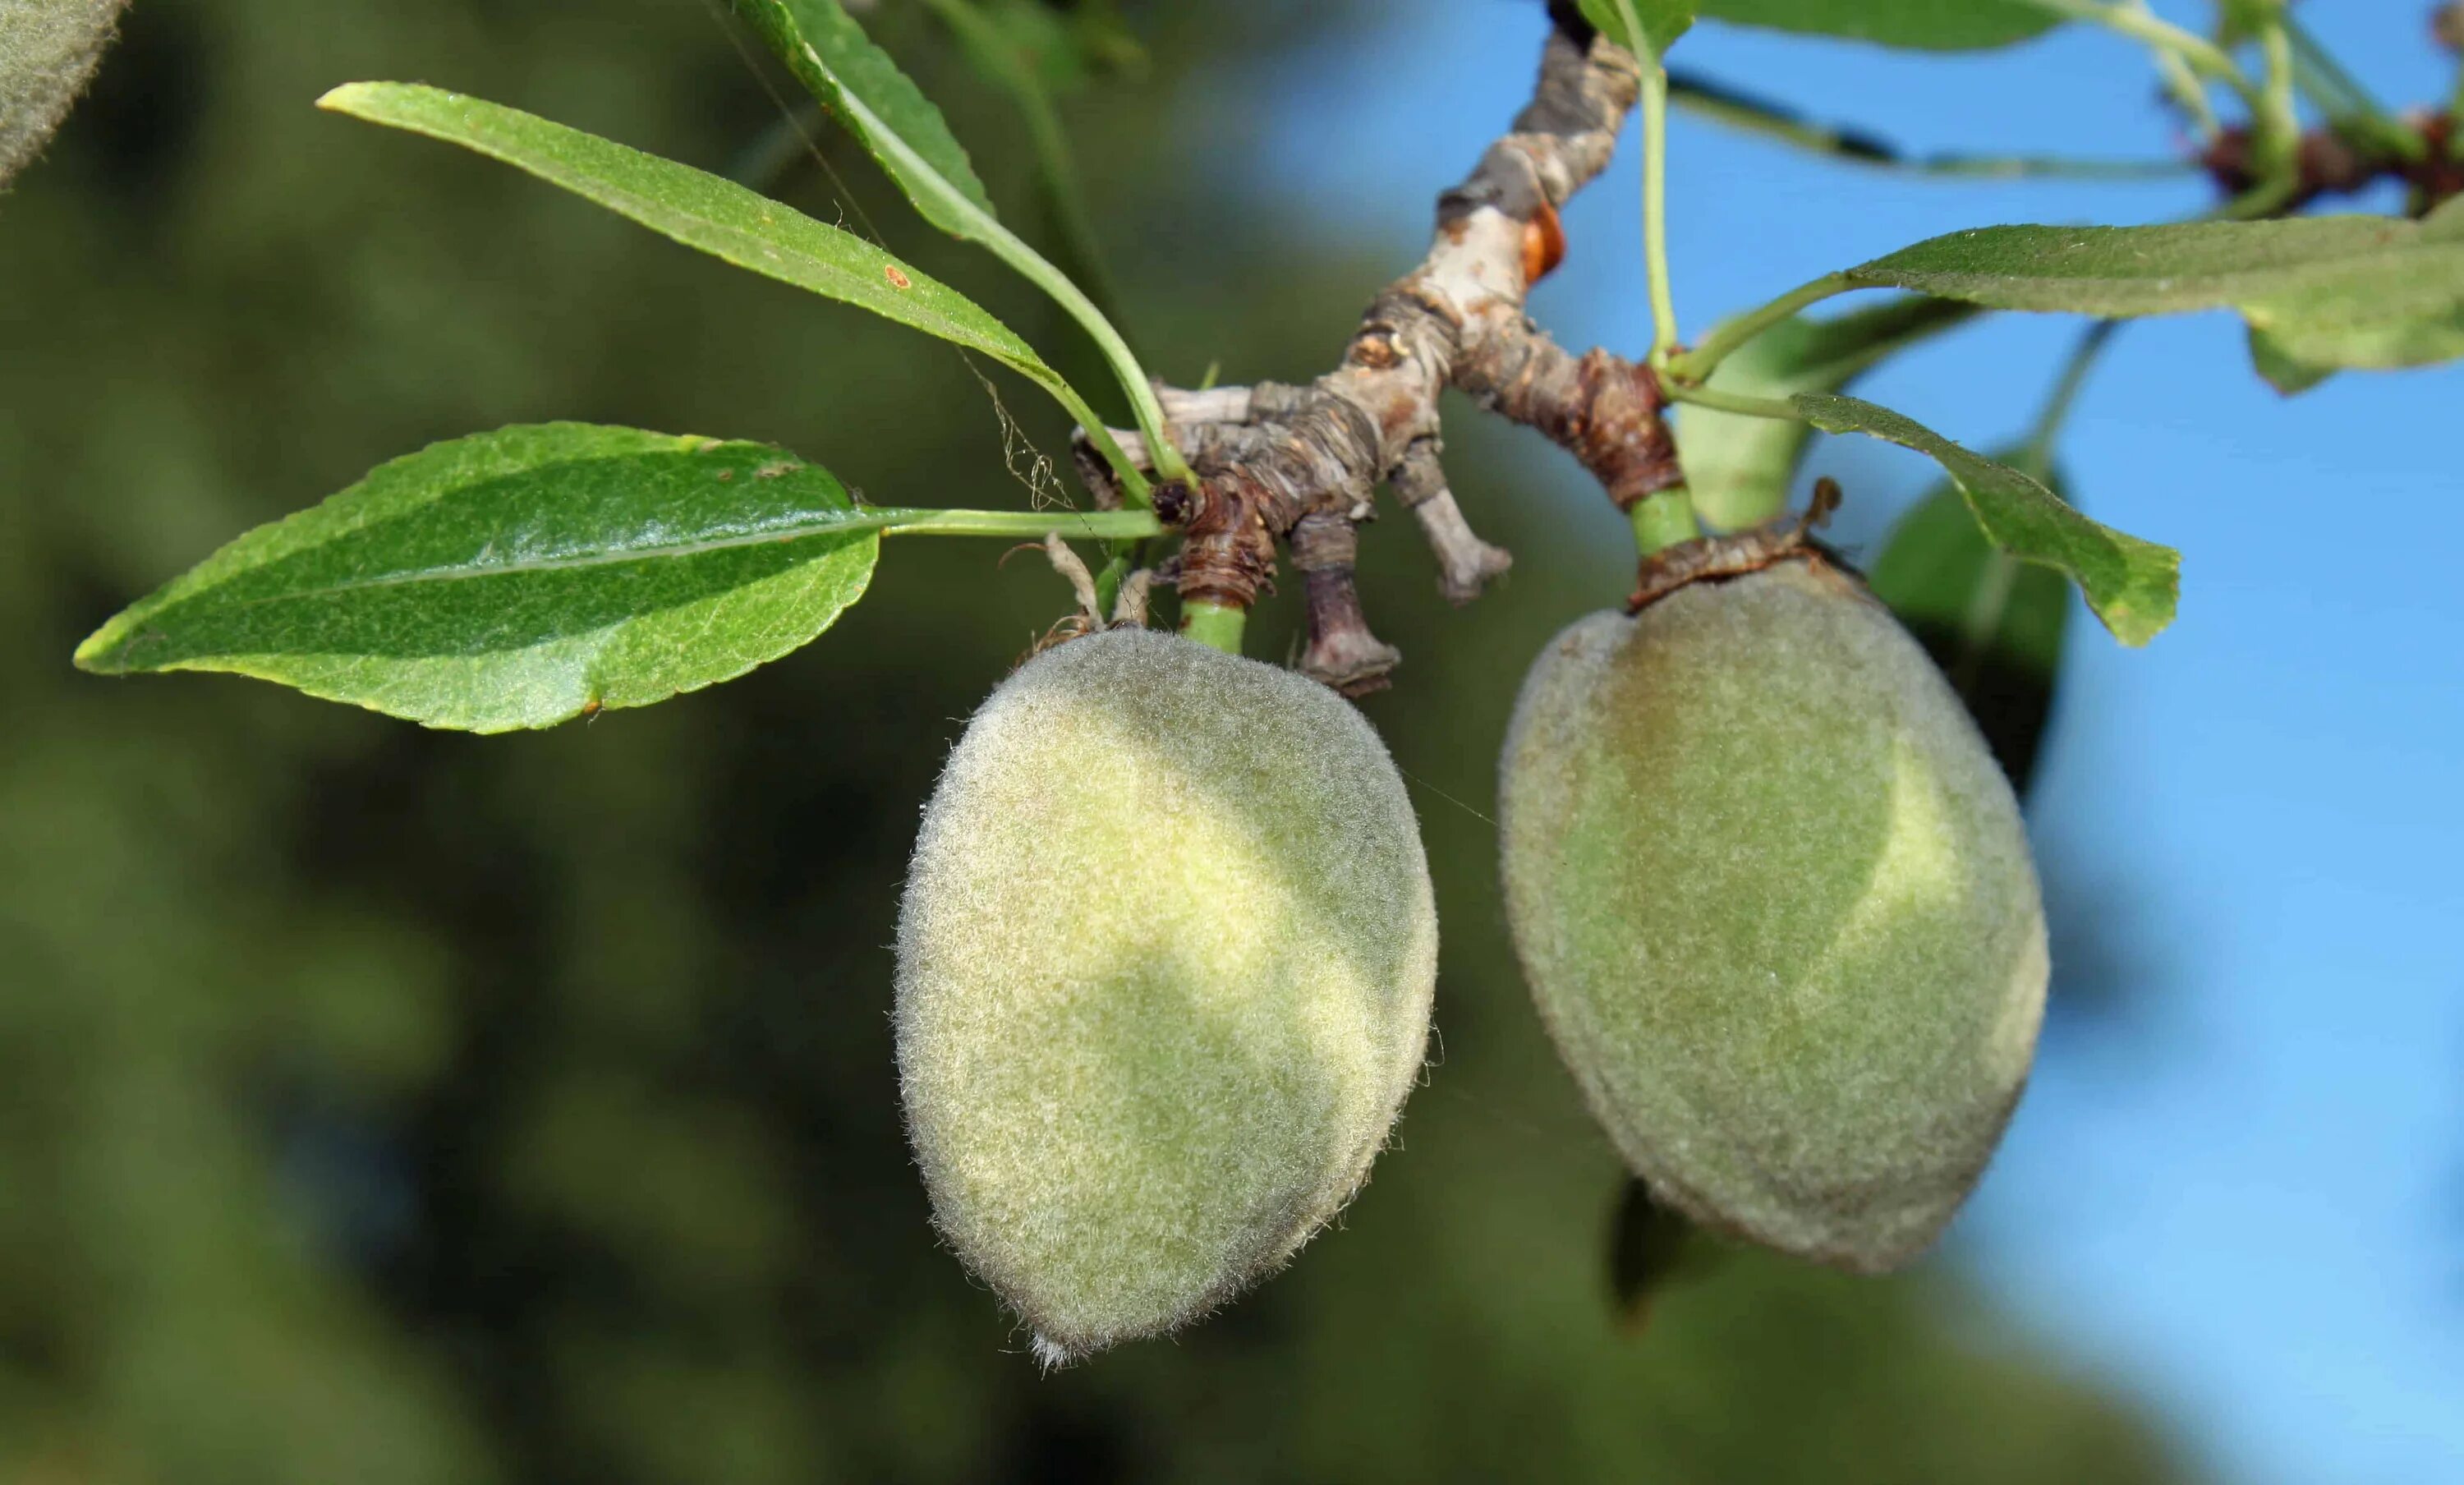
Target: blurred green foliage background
396	1107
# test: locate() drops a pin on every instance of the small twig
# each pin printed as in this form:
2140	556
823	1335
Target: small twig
1465	564
1342	652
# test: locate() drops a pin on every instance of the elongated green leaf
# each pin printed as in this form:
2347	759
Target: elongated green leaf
1662	22
1739	468
865	90
1929	25
1066	47
1017	52
2132	584
859	84
2238	21
2284	370
2328	292
706	212
1993	623
521	578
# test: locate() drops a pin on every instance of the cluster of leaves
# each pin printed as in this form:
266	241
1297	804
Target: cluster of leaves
472	587
535	574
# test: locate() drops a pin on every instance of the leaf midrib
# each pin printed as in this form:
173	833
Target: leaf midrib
578	562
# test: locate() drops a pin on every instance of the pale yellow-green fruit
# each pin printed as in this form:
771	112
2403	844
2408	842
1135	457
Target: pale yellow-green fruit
1165	963
48	49
1774	900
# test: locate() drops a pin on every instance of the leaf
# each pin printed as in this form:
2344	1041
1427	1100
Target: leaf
1739	468
859	84
865	90
1019	53
2132	584
1929	25
1992	623
2331	292
2284	372
1662	22
1062	51
2241	21
705	211
521	578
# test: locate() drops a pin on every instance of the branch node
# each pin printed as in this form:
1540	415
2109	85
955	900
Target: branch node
1230	554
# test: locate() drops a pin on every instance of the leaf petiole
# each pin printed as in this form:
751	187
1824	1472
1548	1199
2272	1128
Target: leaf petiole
1122	525
2280	124
996	58
1694	366
1731	402
2347	104
1655	187
2064	397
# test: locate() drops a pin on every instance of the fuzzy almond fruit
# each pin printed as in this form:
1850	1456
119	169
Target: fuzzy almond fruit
48	50
1165	964
1775	902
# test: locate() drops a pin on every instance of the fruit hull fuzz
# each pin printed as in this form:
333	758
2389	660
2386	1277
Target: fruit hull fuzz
1775	904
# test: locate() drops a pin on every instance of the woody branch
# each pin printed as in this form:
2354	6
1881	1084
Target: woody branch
1299	464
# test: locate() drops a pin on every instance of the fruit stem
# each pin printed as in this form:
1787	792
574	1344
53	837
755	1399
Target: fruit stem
1215	626
1663	519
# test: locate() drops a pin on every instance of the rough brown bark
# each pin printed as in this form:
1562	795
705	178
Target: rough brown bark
1299	464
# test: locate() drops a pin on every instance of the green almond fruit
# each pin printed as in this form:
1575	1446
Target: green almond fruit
1775	902
1165	964
48	49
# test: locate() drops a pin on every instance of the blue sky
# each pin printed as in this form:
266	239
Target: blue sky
2248	1201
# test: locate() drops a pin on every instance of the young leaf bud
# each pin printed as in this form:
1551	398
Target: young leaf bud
48	49
1774	900
1165	963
